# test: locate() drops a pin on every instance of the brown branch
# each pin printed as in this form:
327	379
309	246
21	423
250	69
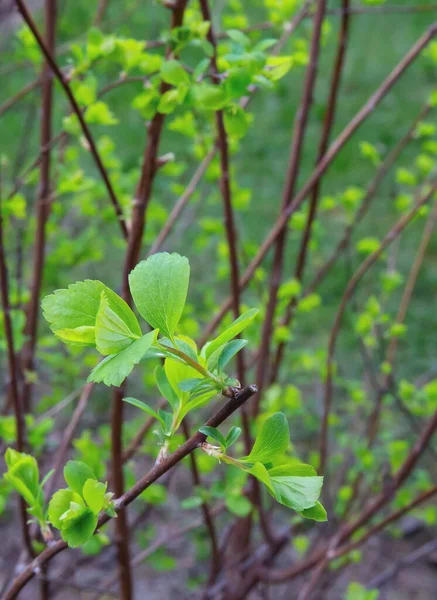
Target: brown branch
349	291
141	202
332	152
75	107
299	129
153	475
323	146
13	375
43	207
206	511
373	187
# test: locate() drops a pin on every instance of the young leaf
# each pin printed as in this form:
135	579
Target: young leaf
159	288
176	372
174	73
271	442
188	385
233	435
94	494
232	331
165	388
114	369
215	434
316	513
76	474
60	504
23	475
77	307
229	351
78	525
113	334
238	505
166	419
299	493
259	471
81	336
142	406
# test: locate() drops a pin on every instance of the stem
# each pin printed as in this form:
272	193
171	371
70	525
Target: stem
13	376
323	146
75	107
209	522
323	165
43	207
192	363
299	130
154	474
348	293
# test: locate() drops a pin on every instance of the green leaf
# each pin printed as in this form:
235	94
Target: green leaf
215	434
78	305
60	504
81	336
232	331
100	114
209	97
176	372
233	435
78	525
239	37
236	121
272	441
113	333
114	369
238	505
165	388
94	494
299	493
259	471
173	72
159	288
229	351
316	513
188	385
142	406
76	474
23	475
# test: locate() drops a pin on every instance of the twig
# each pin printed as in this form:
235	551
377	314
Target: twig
155	473
350	289
323	146
43	207
13	374
75	107
332	152
207	517
299	129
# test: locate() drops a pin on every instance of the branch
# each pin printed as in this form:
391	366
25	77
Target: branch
75	107
332	152
348	293
153	475
323	146
299	129
42	208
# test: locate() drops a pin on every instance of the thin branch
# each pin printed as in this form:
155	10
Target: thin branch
299	129
348	293
146	481
43	207
370	194
323	146
13	375
207	517
332	152
75	107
